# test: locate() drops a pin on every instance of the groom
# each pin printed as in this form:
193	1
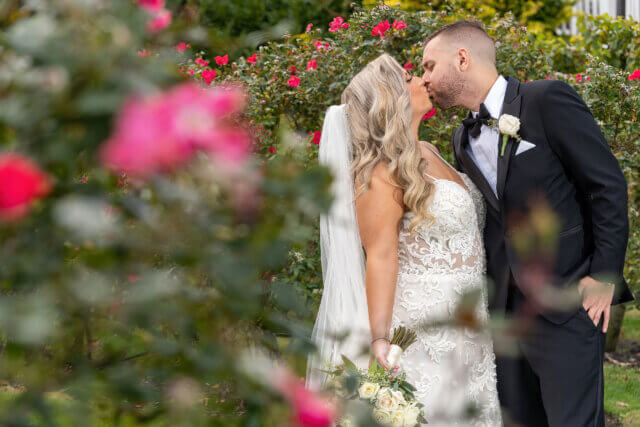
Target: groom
558	152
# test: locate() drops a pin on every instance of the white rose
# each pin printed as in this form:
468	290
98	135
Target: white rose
387	400
381	416
397	417
411	413
398	397
368	390
509	125
346	422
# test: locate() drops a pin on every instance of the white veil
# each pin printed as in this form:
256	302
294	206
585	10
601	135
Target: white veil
343	309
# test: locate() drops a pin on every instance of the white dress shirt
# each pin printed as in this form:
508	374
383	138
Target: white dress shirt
483	150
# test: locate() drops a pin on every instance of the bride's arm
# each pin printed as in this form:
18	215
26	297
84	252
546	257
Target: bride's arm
379	211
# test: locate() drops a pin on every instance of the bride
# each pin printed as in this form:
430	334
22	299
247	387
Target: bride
420	222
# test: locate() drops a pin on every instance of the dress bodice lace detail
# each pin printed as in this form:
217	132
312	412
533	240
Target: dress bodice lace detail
452	368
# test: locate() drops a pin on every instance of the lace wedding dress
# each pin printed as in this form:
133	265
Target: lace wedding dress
452	368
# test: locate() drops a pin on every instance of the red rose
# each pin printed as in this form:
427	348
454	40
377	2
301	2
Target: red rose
430	113
316	136
635	75
293	81
21	182
222	60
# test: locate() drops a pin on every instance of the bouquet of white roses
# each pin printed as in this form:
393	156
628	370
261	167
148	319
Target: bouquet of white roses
389	395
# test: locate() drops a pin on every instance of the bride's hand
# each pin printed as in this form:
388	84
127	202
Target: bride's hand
380	350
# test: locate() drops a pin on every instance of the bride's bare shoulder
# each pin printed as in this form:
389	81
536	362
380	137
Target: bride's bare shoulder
430	146
383	183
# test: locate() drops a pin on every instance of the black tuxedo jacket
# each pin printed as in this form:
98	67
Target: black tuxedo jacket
572	167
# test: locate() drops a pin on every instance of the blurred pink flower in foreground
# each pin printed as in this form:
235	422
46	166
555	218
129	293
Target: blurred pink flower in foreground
252	59
159	21
151	5
159	132
408	65
309	409
21	182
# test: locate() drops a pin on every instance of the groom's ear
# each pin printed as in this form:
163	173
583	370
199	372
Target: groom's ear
463	59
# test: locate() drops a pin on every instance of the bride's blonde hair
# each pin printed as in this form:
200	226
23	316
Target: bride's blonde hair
379	113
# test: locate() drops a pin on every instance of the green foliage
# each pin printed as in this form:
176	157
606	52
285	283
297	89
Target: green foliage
537	16
135	296
231	19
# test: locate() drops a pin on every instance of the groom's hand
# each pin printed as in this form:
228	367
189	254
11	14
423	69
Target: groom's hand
596	299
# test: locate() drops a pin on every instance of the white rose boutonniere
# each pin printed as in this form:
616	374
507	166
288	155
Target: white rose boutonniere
508	126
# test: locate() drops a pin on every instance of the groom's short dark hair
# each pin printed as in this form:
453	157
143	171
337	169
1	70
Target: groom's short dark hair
464	30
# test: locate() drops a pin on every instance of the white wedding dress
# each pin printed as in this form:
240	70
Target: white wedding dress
452	368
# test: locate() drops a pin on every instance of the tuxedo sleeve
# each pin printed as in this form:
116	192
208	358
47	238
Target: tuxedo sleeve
576	138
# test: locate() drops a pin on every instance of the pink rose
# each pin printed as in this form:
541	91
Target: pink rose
309	27
292	70
253	58
337	23
144	53
222	60
381	28
320	46
635	75
408	66
312	65
181	47
201	62
159	21
578	77
208	76
399	25
293	81
21	183
160	132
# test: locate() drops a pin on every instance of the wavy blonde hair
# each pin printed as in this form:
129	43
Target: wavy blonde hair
379	113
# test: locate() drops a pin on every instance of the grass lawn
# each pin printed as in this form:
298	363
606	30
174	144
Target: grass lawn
622	384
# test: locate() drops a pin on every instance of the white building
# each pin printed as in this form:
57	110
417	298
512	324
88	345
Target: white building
626	8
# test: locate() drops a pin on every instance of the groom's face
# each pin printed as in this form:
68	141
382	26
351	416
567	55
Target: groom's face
441	75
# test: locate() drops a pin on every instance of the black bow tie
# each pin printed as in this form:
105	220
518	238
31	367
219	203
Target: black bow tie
474	124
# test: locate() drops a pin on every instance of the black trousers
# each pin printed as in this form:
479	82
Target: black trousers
557	378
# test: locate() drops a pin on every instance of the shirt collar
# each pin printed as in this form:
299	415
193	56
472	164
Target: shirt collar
495	98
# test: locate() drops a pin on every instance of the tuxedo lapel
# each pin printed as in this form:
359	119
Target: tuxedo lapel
469	166
511	106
